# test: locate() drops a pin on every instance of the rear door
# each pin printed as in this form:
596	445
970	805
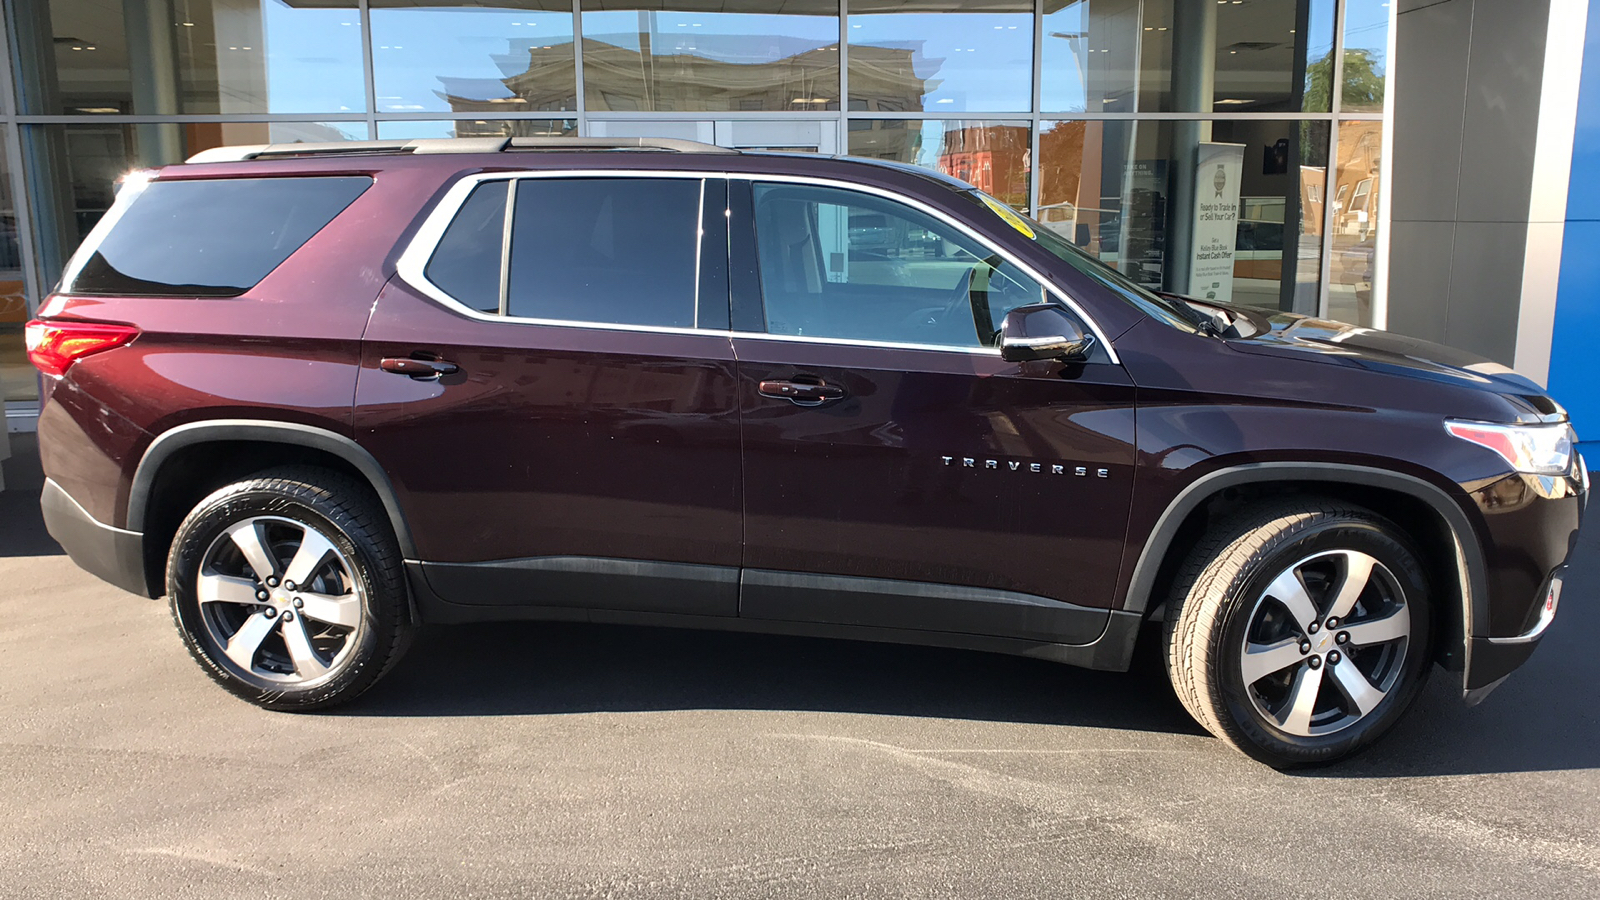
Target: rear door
898	472
553	393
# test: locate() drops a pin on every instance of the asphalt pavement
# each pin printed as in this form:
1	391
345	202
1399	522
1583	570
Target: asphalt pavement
536	760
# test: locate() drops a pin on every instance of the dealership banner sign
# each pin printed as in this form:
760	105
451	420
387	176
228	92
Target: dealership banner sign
1216	221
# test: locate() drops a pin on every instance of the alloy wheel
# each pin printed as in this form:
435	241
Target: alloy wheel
1325	643
280	600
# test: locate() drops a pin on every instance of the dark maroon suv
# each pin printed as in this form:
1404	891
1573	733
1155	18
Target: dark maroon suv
320	395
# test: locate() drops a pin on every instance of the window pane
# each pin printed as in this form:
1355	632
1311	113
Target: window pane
743	55
471	128
211	238
841	264
1355	221
1114	188
1125	56
458	56
18	381
993	156
1366	46
614	250
73	169
466	264
153	57
941	57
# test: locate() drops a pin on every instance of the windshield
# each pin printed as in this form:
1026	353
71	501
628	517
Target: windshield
1172	312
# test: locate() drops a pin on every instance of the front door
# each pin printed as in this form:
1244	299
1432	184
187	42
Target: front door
557	410
898	473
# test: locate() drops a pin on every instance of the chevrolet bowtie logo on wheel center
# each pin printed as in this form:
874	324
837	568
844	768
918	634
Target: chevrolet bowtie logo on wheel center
1009	465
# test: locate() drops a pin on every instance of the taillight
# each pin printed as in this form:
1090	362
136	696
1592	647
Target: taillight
55	345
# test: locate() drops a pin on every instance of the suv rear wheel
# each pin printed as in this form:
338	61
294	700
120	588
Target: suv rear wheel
288	590
1299	631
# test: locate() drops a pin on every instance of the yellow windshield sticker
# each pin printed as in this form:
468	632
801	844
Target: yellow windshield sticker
1005	212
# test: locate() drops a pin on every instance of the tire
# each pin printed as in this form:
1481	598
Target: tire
278	644
1276	573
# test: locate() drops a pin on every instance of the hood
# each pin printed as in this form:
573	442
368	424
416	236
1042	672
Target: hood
1336	343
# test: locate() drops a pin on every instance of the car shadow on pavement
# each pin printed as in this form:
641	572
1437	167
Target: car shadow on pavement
554	668
1543	718
21	524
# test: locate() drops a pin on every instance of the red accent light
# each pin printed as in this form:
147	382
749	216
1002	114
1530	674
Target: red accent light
54	346
1498	441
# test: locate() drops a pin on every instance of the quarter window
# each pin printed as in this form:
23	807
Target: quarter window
466	264
843	264
210	237
611	250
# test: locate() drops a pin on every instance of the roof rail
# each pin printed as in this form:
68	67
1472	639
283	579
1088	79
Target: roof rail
425	145
451	145
617	143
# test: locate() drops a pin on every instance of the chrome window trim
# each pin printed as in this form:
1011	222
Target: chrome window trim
412	262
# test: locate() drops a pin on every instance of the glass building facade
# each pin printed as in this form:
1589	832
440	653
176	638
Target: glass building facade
1088	114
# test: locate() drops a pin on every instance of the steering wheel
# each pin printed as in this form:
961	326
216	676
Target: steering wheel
933	317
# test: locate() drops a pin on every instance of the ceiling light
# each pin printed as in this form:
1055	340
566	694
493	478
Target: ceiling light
191	24
947	100
1148	28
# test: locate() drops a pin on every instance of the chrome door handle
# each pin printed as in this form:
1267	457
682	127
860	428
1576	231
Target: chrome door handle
800	393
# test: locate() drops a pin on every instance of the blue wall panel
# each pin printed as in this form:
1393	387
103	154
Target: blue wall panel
1575	350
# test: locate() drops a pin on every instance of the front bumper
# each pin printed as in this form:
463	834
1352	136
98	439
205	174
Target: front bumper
112	554
1494	659
1529	530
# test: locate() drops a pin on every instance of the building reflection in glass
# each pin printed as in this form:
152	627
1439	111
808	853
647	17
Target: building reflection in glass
754	56
962	57
471	57
992	156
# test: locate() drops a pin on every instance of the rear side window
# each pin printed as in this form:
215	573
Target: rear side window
614	250
210	238
466	264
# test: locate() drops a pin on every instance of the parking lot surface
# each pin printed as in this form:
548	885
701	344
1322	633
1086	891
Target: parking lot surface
536	760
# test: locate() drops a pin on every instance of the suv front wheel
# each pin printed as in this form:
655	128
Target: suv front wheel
1299	631
288	590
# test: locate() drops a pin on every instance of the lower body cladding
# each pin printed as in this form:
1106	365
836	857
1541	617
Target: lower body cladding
727	598
621	591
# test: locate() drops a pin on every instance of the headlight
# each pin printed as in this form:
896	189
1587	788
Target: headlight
1531	449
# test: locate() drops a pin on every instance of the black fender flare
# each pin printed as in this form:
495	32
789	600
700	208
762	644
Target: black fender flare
260	431
1469	563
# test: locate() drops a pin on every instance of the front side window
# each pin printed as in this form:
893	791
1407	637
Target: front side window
610	250
843	264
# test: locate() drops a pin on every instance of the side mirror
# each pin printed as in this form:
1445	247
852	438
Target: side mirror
1043	331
